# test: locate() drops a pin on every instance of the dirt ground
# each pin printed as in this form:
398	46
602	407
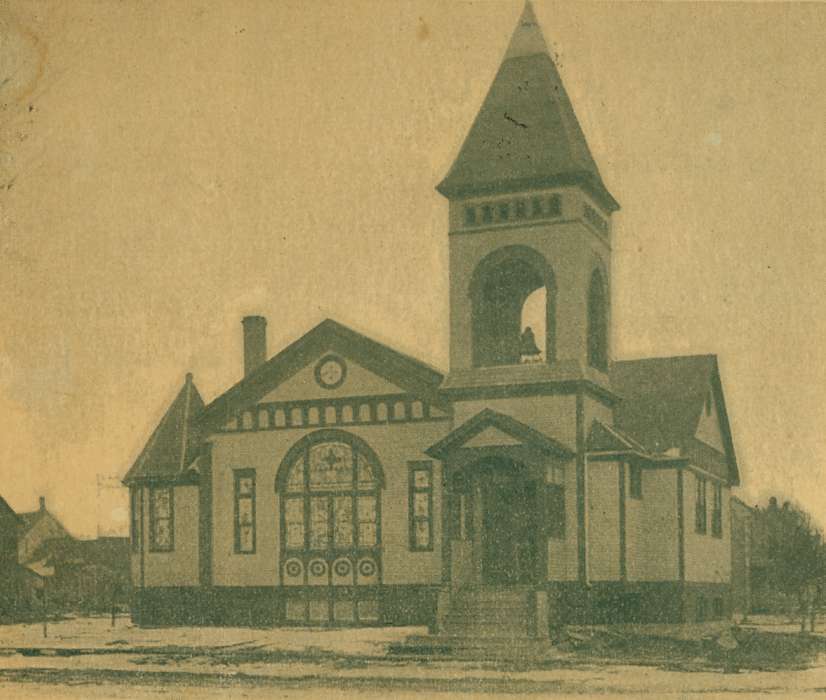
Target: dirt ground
87	658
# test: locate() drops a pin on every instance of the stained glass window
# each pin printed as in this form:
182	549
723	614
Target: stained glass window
330	515
366	478
319	522
161	518
420	503
245	511
331	466
330	500
343	521
294	521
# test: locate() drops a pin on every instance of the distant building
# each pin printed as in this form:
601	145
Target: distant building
86	575
539	482
10	574
76	574
38	526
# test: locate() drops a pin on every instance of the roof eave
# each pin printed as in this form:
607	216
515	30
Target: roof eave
591	185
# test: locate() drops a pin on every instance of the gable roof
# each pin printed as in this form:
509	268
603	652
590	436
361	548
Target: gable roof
662	399
507	424
407	372
7	510
175	442
526	133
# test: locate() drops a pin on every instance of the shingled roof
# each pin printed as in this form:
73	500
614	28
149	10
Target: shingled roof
173	448
663	398
526	133
175	442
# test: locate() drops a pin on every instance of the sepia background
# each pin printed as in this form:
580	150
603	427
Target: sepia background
168	167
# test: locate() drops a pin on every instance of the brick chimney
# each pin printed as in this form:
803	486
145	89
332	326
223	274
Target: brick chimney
255	343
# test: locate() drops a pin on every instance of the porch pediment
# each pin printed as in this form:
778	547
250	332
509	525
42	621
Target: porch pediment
490	428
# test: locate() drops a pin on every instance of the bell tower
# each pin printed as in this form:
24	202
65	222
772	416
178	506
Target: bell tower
530	233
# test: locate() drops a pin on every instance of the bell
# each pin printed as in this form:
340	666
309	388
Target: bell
527	346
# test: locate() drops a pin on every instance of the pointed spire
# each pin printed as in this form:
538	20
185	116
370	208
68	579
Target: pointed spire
526	134
527	39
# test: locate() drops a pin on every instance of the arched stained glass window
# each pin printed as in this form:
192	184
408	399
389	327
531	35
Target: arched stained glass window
330	496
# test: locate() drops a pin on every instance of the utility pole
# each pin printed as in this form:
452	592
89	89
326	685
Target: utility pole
45	607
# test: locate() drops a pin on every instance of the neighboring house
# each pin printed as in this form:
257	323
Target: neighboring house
10	575
342	482
86	575
38	527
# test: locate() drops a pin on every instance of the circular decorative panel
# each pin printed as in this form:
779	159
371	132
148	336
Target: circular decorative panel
293	569
342	567
318	567
367	568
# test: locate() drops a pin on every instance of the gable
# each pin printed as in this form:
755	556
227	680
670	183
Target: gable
357	381
490	428
709	430
292	372
491	437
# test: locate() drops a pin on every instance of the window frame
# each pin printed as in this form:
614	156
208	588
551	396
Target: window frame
412	469
700	506
239	474
153	518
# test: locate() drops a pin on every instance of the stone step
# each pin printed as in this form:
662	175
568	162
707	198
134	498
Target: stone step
492	617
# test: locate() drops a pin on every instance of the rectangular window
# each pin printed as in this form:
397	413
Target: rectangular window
536	207
161	518
136	513
504	211
245	511
717	511
521	209
700	506
634	480
420	504
555	501
470	216
487	214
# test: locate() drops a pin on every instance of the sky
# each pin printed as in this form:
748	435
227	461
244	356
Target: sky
169	167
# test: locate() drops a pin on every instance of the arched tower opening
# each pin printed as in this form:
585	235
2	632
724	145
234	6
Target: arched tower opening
597	323
513	296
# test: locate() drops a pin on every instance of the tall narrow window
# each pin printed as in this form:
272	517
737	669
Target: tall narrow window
700	506
555	502
136	513
161	519
421	506
597	324
245	511
717	511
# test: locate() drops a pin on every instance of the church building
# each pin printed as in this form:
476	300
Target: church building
539	481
